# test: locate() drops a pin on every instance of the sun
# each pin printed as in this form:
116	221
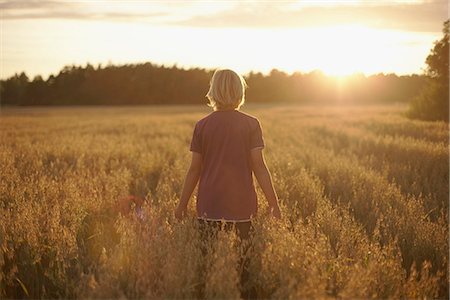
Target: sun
347	49
338	70
339	50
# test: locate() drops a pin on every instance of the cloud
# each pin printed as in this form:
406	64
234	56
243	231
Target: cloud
31	4
425	16
409	16
35	9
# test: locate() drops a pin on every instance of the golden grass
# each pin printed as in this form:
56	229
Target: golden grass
364	195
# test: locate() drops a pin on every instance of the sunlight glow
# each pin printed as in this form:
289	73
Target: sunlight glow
349	49
336	50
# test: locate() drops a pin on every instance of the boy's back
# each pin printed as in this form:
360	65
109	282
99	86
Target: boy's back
224	138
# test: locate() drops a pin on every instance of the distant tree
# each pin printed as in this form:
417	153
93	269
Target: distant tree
148	83
438	60
13	89
433	102
35	92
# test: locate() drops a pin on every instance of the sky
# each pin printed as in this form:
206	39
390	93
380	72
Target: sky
336	36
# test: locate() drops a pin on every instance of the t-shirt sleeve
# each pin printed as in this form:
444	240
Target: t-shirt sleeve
256	138
196	145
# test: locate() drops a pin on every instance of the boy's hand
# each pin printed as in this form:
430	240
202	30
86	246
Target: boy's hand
275	212
180	212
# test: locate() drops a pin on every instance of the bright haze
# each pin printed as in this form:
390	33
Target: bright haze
337	37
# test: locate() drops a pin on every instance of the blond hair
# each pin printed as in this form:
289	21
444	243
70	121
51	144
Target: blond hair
227	90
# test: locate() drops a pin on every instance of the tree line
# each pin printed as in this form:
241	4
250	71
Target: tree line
149	83
432	103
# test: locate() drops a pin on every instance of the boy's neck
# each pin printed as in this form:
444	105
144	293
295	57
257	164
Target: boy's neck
226	109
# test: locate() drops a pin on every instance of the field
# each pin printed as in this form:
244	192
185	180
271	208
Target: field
364	195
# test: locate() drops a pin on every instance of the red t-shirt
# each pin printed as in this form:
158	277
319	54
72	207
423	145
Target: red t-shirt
224	139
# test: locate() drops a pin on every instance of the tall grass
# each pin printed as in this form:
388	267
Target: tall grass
363	190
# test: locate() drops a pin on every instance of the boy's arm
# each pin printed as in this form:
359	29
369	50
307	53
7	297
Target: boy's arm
190	182
265	181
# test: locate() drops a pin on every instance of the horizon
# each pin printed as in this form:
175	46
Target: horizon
187	68
339	38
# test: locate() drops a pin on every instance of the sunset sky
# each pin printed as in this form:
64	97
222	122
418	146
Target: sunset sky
337	37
